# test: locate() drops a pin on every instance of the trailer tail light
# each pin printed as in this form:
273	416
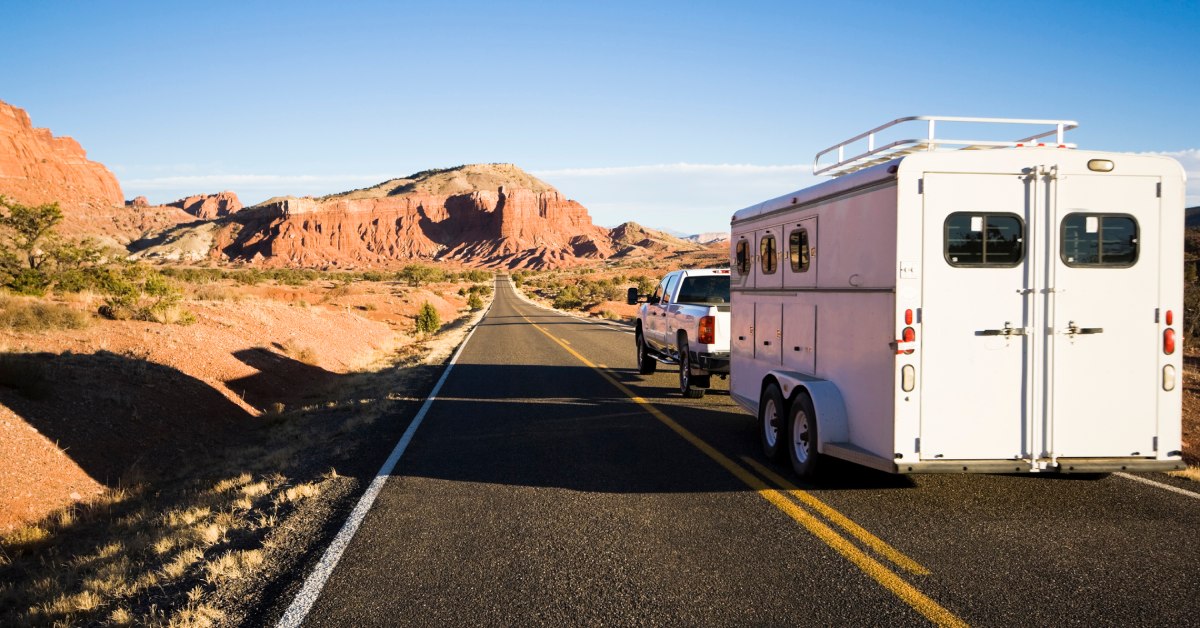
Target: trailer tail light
708	330
908	317
1169	341
907	342
1168	378
908	378
1170	318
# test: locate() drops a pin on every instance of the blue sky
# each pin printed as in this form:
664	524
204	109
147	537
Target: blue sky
673	114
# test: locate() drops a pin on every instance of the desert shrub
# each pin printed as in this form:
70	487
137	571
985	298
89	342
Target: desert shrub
249	277
428	321
195	275
646	285
20	315
144	294
373	275
415	275
568	299
610	315
211	292
293	276
29	281
474	302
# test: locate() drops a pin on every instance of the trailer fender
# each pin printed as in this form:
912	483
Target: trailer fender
832	424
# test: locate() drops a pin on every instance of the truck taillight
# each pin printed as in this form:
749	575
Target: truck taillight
1169	341
708	330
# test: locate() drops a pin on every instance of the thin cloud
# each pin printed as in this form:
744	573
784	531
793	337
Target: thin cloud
677	168
255	181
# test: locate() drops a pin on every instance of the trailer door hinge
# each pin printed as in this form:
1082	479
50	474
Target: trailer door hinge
921	185
1158	189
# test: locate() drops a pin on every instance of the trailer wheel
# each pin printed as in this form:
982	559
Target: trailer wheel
771	428
690	387
802	437
646	364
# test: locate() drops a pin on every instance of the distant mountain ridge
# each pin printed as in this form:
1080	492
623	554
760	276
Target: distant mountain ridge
489	215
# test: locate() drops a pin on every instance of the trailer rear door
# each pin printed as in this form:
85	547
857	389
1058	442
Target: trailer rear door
1105	342
976	344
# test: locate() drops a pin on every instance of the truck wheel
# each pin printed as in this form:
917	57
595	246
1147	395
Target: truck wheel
688	385
771	429
646	364
802	437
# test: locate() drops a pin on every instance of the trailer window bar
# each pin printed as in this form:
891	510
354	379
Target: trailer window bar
874	155
984	240
1092	240
798	250
769	254
742	259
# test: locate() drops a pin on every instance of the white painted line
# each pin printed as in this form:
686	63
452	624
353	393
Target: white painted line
304	600
1165	487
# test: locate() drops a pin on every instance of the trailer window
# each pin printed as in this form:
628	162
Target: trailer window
982	239
766	248
1099	240
798	250
742	261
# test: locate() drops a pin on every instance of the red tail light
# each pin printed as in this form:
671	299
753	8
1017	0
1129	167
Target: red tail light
1170	317
905	344
908	318
708	330
1169	341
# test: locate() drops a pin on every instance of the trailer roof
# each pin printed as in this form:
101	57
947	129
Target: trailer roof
833	187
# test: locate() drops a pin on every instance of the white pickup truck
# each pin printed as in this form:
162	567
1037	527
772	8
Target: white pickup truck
685	322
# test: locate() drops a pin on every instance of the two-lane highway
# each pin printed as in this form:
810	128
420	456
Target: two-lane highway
549	483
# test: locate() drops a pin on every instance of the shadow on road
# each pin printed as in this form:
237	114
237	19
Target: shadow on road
512	424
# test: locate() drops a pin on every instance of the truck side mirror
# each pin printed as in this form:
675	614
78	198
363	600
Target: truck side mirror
631	296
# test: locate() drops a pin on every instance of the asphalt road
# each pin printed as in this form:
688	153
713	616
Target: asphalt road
539	491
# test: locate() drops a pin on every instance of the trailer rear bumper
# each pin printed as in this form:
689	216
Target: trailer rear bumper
1065	466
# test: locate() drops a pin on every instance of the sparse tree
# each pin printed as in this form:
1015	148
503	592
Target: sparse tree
27	230
428	321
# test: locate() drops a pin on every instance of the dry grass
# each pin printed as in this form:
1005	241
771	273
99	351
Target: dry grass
300	352
1191	473
33	315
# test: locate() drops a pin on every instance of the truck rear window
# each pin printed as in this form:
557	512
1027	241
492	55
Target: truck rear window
983	239
705	289
1098	240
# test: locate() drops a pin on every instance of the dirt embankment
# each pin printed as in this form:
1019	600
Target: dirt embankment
147	470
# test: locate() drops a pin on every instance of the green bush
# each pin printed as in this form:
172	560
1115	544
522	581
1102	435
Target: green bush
474	302
568	299
415	275
428	321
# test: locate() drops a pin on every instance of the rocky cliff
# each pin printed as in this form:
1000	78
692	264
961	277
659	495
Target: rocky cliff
36	167
493	215
208	206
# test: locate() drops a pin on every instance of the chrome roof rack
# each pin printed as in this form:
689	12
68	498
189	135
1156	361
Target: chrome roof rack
875	155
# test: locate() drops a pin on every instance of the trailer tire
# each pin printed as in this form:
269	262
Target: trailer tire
802	437
646	364
690	387
772	430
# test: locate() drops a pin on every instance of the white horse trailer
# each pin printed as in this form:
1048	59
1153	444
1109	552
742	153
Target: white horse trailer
928	310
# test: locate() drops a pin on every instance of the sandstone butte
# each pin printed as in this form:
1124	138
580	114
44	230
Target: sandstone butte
491	215
206	206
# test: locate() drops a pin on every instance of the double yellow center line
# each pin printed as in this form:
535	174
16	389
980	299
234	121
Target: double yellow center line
788	499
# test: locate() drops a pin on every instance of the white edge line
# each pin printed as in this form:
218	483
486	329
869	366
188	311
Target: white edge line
1165	487
307	596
